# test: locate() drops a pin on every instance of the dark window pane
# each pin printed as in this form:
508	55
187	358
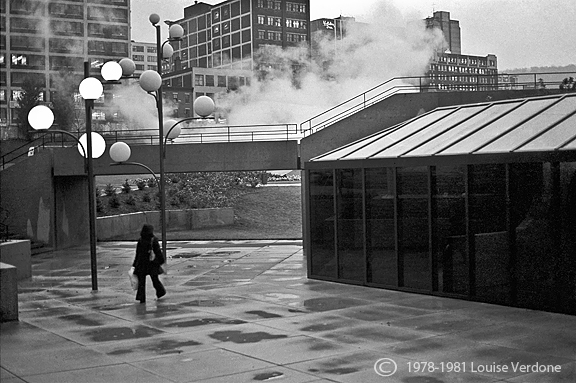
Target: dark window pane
413	242
380	235
449	215
322	216
413	181
350	225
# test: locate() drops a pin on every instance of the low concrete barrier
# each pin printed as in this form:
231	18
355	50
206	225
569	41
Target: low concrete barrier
17	253
114	226
8	293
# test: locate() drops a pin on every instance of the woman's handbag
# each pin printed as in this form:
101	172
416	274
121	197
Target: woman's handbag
133	279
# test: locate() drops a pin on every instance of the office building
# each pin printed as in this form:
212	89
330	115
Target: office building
225	40
45	40
144	56
450	70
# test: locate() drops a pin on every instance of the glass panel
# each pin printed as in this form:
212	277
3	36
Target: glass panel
531	127
476	140
322	255
413	227
394	135
553	138
545	228
345	151
380	238
350	240
488	224
449	215
423	135
460	131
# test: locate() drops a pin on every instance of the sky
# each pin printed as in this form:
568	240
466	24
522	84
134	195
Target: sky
521	33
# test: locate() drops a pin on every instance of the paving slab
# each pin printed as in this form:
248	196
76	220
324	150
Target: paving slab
245	311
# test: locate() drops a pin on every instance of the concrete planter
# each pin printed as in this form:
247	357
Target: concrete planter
17	253
127	224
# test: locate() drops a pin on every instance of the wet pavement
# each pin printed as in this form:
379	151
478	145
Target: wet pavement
244	311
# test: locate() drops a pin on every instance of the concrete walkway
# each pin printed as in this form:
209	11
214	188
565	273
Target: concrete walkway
245	312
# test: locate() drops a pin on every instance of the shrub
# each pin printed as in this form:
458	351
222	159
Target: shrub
146	197
114	202
131	200
151	182
126	188
110	190
140	183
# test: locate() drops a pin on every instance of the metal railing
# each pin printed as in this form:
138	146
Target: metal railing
544	81
214	132
190	134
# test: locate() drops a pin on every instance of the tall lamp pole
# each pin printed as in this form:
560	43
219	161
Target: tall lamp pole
163	50
91	89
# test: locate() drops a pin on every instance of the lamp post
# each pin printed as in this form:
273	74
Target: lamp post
163	51
90	145
91	89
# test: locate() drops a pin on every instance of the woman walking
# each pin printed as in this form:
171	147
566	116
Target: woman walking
148	261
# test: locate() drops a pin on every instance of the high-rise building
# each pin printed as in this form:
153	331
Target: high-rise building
451	70
46	40
450	29
144	56
224	40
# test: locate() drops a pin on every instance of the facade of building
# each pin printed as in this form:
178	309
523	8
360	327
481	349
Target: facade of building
473	201
450	70
144	56
48	40
222	40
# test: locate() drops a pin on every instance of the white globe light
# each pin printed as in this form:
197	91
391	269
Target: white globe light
120	152
128	67
91	88
167	51
98	145
175	132
111	71
175	31
40	117
154	18
204	106
150	81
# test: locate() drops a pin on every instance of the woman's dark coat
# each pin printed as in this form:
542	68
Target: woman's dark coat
142	264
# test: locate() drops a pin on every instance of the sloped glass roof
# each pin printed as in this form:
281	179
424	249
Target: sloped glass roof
539	124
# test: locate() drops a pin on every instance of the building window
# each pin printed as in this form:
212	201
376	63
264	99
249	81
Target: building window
199	80
296	24
222	81
151	49
151	59
296	7
137	48
261	19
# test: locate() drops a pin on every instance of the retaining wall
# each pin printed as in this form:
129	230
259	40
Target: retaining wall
112	227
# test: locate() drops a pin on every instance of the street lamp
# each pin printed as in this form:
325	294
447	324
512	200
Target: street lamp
163	51
91	89
41	118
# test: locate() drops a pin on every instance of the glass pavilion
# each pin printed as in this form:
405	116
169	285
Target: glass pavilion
475	201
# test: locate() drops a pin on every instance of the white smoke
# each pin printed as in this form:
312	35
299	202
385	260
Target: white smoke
387	46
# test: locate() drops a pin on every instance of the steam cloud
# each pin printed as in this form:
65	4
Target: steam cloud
387	46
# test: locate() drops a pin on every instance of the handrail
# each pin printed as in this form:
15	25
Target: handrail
420	84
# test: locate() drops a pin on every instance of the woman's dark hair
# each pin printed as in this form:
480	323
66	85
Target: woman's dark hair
147	231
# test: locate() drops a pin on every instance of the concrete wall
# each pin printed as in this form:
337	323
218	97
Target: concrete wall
123	225
8	293
27	191
17	253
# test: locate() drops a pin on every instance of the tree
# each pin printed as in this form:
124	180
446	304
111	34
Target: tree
30	97
66	104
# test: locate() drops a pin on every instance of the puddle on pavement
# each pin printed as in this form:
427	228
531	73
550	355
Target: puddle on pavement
242	337
327	304
321	327
268	376
202	322
335	371
81	320
263	314
162	347
121	333
187	255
